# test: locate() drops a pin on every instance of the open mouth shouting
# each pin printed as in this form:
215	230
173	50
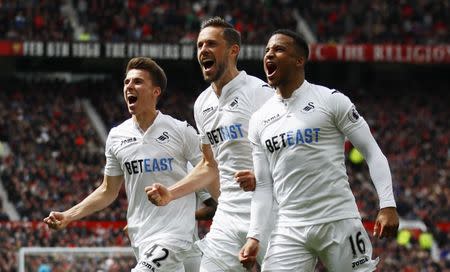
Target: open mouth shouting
207	64
131	99
271	69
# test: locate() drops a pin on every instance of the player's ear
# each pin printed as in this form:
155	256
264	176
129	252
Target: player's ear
235	50
300	61
157	91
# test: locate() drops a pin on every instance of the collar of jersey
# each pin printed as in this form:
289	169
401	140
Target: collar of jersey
136	125
300	90
233	85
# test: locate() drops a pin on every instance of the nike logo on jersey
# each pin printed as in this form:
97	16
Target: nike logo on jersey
290	138
224	133
148	165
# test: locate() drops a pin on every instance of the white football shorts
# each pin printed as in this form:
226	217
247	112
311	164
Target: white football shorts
342	245
192	259
167	255
227	235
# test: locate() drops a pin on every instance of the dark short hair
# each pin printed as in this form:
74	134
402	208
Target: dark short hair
231	35
156	73
299	41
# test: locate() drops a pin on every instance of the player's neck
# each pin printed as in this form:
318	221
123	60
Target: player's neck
145	120
287	89
227	76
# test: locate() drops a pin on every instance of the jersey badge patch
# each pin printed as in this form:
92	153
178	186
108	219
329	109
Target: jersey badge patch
353	115
163	138
234	104
309	108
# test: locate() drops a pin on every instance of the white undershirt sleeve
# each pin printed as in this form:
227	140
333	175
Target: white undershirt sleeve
379	170
262	200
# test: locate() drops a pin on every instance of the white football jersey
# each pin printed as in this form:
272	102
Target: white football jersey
223	123
303	139
159	154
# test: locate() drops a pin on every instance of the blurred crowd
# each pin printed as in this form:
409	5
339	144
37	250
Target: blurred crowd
57	156
34	20
57	159
344	21
178	21
413	133
378	21
14	235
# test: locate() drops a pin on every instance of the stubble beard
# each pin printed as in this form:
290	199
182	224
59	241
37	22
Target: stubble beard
217	75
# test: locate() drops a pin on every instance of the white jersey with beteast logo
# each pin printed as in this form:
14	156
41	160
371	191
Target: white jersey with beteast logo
223	123
302	140
159	154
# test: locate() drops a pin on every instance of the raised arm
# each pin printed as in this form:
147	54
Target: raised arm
99	199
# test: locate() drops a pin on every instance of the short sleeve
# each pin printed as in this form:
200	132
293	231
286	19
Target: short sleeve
112	166
198	122
192	149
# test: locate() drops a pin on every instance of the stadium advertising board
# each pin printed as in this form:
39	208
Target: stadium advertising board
431	54
381	53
